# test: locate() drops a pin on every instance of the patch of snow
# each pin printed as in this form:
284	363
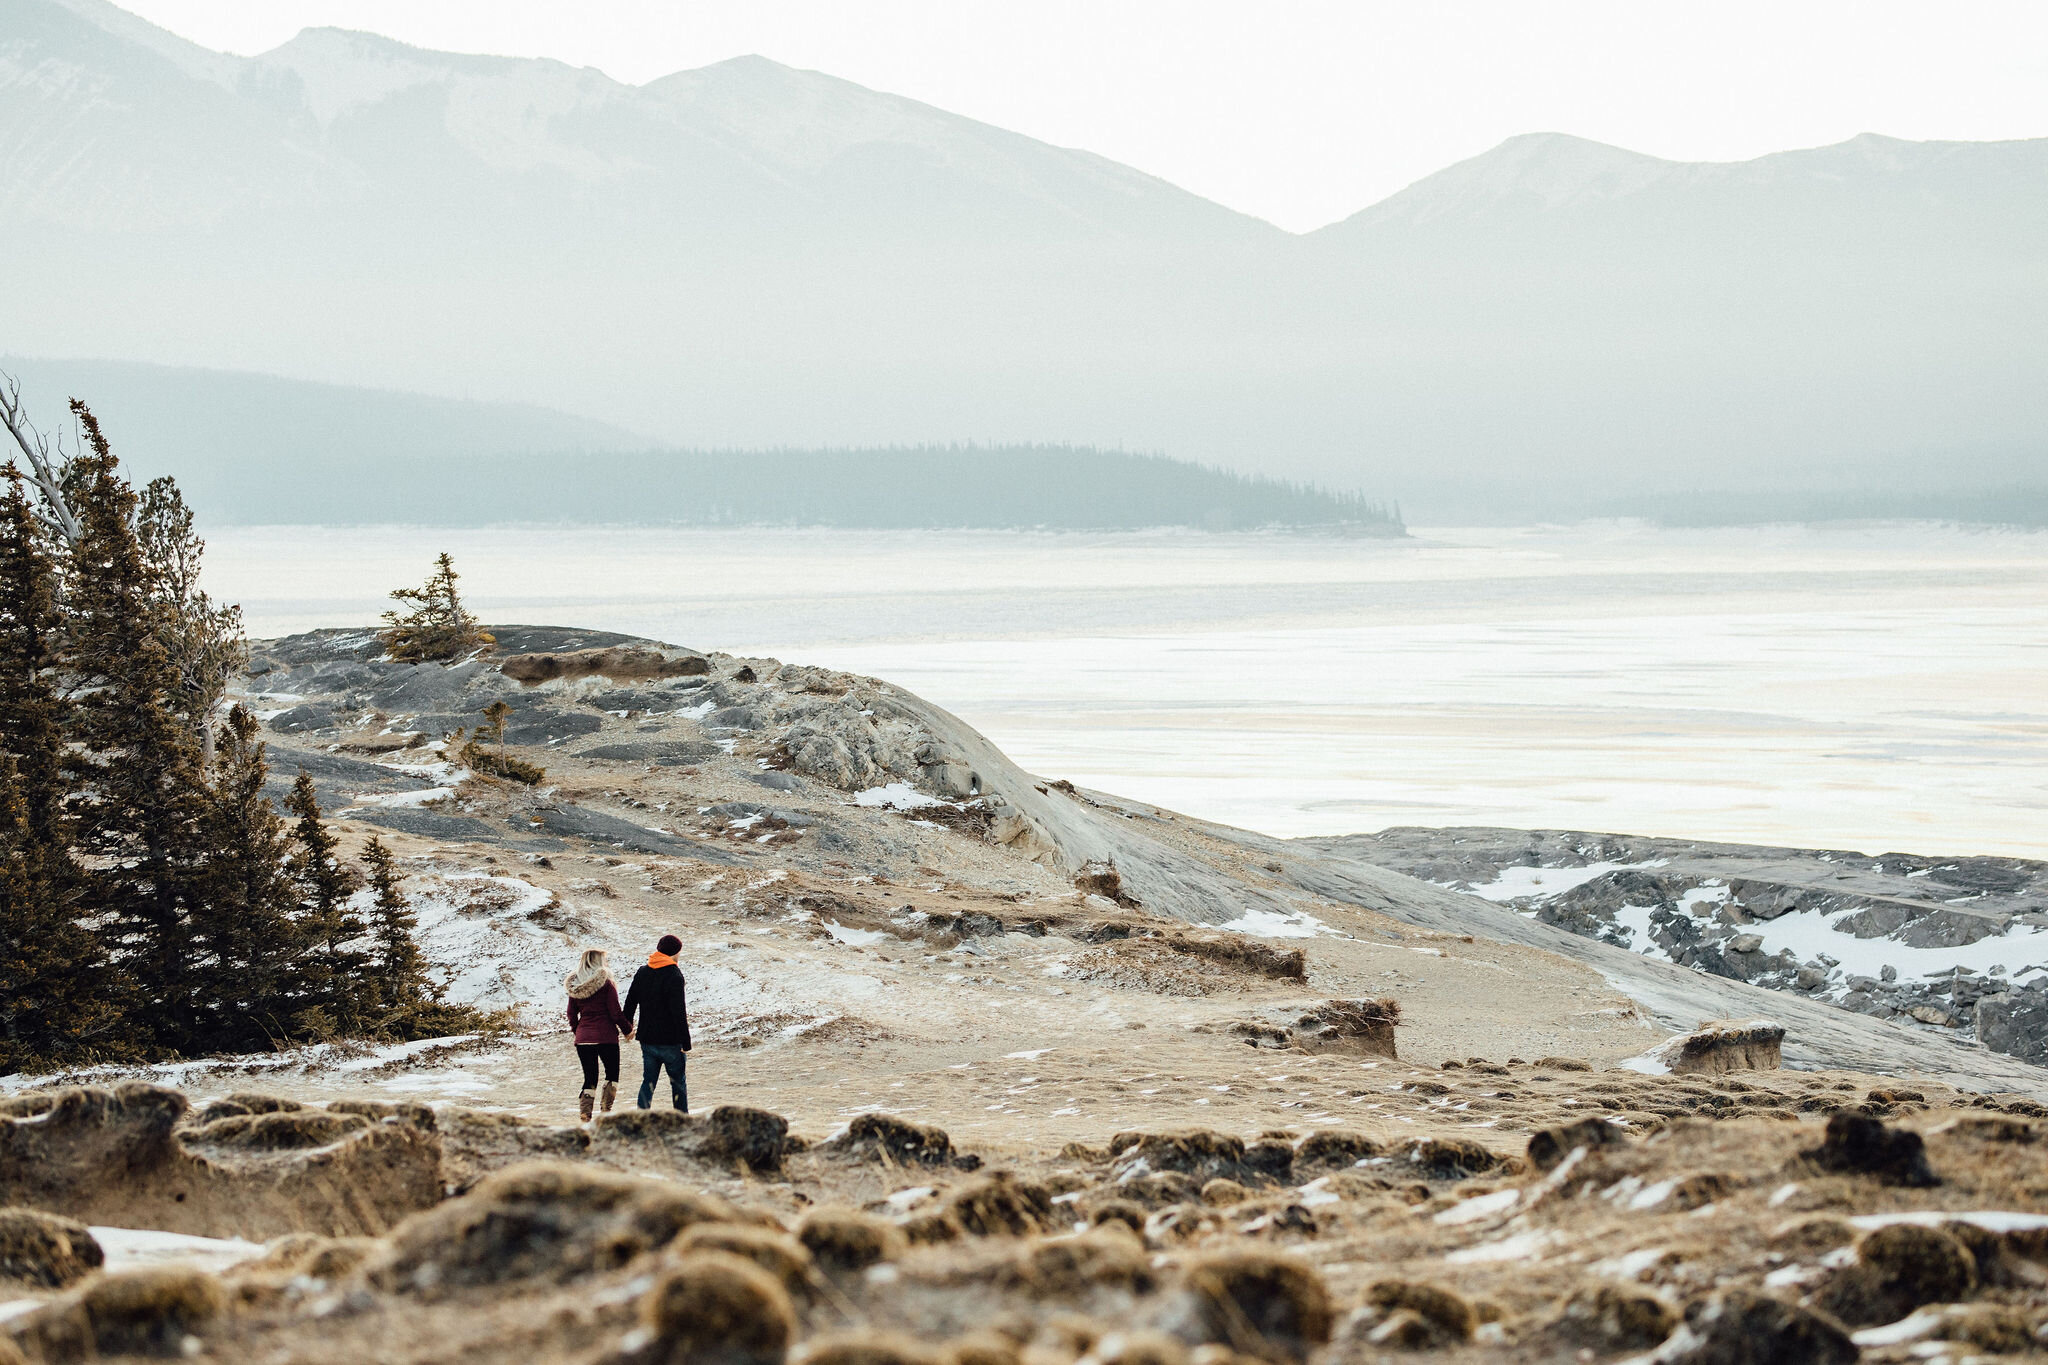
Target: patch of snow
476	929
895	796
1696	901
1634	923
399	1052
441	774
1479	1206
1809	933
1653	1195
1631	1264
135	1248
1523	1246
1031	1056
1317	1193
1920	1324
903	1201
425	796
1262	923
858	938
1516	883
441	1083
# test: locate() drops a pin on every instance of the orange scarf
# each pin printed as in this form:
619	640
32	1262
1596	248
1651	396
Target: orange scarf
660	960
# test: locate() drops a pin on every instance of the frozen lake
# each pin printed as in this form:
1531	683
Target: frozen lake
1870	687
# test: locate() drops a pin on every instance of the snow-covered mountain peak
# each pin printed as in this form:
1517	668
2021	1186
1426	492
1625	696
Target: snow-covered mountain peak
340	71
802	120
508	112
188	57
1540	171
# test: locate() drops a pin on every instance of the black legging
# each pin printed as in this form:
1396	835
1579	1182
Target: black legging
590	1054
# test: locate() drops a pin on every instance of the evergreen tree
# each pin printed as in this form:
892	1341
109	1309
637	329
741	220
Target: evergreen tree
412	1005
138	794
202	639
59	1004
246	940
438	626
335	974
31	712
397	969
211	926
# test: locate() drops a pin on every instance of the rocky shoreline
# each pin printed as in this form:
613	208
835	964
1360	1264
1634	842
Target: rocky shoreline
1896	936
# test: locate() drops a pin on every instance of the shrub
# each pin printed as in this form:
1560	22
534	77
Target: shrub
438	627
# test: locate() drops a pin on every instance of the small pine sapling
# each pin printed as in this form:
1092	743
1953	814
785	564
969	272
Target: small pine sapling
410	1005
498	763
438	628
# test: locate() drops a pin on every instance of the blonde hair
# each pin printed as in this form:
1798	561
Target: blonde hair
592	971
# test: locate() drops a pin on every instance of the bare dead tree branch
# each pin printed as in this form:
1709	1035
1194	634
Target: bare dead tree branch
45	472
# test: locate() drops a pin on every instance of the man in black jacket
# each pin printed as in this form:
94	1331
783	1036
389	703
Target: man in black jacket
657	995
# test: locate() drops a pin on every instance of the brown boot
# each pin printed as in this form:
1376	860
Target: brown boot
584	1101
611	1092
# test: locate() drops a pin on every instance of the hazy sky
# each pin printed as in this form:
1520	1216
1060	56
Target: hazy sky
1301	111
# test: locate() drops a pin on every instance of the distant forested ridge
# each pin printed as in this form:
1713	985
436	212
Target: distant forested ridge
1074	488
256	449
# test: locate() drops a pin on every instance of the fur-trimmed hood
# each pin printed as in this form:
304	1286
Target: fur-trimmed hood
590	976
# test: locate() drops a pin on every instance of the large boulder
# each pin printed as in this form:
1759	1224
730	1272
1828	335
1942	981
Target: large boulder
2015	1023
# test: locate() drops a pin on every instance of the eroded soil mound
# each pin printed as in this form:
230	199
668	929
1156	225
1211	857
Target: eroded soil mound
1691	1239
121	1157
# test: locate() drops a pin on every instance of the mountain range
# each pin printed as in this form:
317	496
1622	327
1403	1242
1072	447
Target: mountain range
750	255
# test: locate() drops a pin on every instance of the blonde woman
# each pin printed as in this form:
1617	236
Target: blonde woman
597	1021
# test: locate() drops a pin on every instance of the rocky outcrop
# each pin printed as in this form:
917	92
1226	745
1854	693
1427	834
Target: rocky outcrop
2016	1022
621	663
1717	908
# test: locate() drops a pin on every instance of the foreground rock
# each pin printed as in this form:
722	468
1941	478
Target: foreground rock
1167	1247
121	1157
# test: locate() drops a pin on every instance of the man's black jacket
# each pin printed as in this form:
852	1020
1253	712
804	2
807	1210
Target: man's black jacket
657	997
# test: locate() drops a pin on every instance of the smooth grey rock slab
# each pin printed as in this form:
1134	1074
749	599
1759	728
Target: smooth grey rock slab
667	752
313	715
429	823
551	728
556	639
575	822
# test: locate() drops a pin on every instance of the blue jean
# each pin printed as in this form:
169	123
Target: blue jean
655	1056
